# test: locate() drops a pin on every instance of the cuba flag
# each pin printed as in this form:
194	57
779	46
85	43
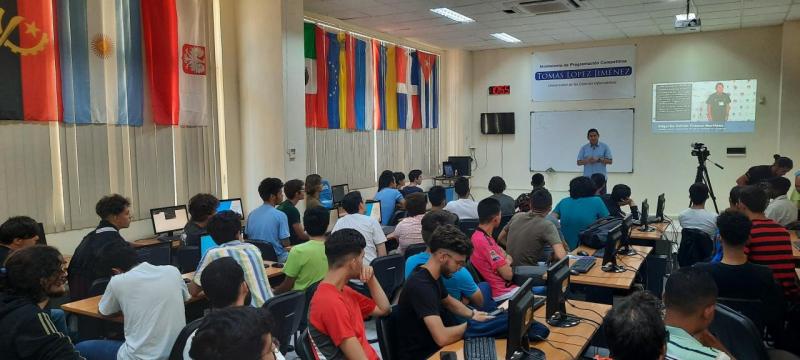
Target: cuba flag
101	61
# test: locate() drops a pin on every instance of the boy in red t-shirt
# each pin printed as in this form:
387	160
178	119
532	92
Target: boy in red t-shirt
336	314
488	258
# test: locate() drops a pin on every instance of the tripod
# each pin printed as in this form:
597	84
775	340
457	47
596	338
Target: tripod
702	177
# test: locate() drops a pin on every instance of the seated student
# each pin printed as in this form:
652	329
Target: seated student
294	193
389	197
201	208
523	200
115	214
579	210
437	198
307	263
225	230
497	185
769	243
537	181
151	298
527	234
313	188
464	207
408	231
634	328
414	183
735	276
489	259
780	208
599	181
336	312
242	333
620	196
399	180
266	223
733	199
690	297
461	285
696	216
420	327
369	228
32	277
16	233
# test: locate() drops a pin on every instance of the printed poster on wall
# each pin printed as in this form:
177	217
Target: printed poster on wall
584	74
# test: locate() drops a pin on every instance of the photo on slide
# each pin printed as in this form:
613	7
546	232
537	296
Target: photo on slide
704	107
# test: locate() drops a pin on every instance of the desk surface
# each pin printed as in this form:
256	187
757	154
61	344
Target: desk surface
650	235
91	306
597	277
152	241
795	250
574	340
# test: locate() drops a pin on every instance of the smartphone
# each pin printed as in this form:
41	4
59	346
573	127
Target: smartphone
496	312
447	355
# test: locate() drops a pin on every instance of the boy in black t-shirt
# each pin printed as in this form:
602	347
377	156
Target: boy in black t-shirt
420	328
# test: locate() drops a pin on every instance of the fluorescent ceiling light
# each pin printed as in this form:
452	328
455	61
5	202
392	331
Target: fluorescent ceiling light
685	17
452	15
507	38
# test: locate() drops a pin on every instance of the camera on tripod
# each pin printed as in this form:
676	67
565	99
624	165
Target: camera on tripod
700	150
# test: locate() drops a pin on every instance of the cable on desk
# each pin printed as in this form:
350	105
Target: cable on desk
586	309
550	342
563	334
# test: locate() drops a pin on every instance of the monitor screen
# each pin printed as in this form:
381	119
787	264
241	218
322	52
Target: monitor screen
662	201
168	219
520	317
159	254
234	205
448	170
449	194
557	285
644	213
206	242
612	242
338	192
373	210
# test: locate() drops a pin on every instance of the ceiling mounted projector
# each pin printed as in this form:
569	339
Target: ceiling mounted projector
689	21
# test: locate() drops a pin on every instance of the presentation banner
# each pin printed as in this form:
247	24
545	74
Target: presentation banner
584	74
705	106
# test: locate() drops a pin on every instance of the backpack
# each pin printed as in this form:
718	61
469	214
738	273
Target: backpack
595	235
696	246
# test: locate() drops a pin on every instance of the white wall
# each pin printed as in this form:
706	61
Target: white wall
662	162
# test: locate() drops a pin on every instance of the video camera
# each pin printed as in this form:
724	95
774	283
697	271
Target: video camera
700	150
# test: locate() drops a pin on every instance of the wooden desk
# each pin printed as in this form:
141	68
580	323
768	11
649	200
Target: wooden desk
795	250
649	235
153	241
597	277
574	339
91	306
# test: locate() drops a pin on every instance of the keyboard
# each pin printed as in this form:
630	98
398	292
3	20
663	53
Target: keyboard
583	265
168	238
479	348
797	244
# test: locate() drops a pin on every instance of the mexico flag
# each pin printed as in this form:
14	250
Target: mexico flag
29	71
175	37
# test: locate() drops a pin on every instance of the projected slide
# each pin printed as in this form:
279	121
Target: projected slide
704	106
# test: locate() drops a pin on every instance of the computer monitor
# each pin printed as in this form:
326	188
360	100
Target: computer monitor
166	220
662	201
157	254
338	192
557	285
234	205
520	318
643	217
40	231
613	240
449	194
206	242
462	165
625	248
372	208
447	169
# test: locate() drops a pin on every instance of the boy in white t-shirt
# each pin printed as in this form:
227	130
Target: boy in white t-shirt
696	216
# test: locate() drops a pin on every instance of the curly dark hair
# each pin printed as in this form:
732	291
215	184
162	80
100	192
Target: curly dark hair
581	187
449	237
18	227
113	204
201	206
497	185
28	270
269	187
341	245
232	333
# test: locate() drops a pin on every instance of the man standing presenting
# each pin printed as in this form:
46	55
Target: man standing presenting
595	155
718	104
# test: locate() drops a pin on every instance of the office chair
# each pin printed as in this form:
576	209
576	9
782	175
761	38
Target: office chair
304	348
286	309
474	272
468	226
753	309
389	271
396	217
696	246
386	328
738	334
180	342
188	257
267	251
414	249
309	294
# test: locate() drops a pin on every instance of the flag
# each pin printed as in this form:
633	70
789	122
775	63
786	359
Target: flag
415	78
310	48
391	88
406	89
176	48
379	88
362	102
320	44
334	84
29	61
101	61
429	90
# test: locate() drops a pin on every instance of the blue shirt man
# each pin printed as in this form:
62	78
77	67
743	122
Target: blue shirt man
266	223
460	285
389	198
595	155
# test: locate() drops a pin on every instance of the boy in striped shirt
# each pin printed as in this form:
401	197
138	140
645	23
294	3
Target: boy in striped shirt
769	243
225	229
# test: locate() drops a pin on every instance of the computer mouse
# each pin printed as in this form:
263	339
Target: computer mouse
574	272
277	265
583	253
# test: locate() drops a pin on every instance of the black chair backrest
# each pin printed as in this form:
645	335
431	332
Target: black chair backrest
468	226
503	222
389	270
753	309
414	249
98	287
188	257
386	328
696	246
309	294
396	217
474	272
286	310
303	348
267	251
180	341
738	334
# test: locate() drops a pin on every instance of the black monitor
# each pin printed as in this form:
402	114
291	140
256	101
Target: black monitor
520	318
157	254
40	231
557	285
447	170
461	164
662	201
169	219
613	239
643	217
338	192
625	248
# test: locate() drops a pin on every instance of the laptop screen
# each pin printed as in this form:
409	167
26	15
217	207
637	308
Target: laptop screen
373	209
206	242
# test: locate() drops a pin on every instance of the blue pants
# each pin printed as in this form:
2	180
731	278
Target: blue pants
99	349
59	320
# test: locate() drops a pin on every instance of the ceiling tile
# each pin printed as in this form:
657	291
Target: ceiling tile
636	23
766	10
598	28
